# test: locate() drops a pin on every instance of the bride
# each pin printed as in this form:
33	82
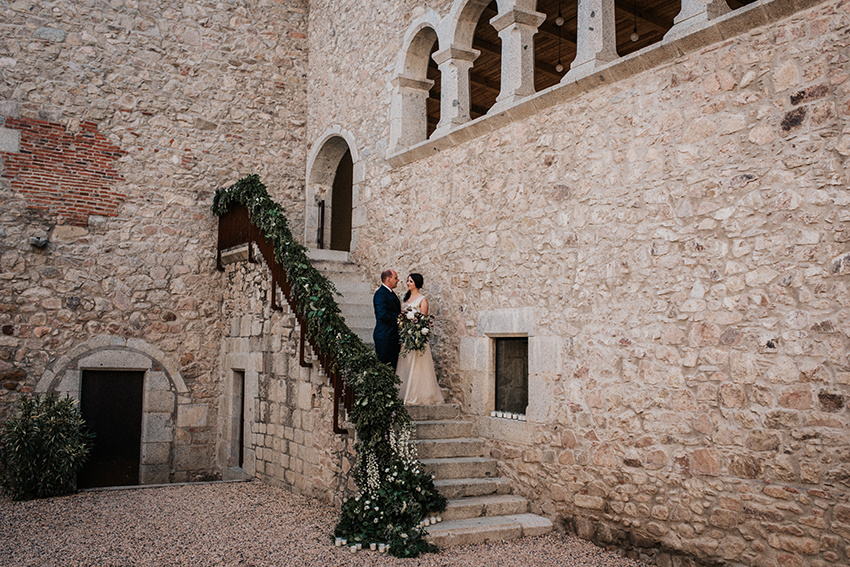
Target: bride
416	369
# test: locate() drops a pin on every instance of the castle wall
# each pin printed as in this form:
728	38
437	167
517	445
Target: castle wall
674	245
117	122
288	412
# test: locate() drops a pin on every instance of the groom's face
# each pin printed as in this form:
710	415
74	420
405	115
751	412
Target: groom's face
392	281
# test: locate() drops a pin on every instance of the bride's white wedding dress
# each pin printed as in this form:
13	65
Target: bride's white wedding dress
416	369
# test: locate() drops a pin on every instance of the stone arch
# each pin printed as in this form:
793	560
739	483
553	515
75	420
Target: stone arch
322	165
163	385
464	16
411	84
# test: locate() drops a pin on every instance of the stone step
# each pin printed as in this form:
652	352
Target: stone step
445	448
478	506
443	429
453	488
351	285
461	467
358	312
437	412
480	530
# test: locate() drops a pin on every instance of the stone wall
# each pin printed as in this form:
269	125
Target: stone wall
288	408
675	247
117	122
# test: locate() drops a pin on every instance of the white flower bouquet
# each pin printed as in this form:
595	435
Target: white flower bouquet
414	330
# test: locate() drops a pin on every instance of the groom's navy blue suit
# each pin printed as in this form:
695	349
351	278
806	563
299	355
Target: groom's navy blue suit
387	308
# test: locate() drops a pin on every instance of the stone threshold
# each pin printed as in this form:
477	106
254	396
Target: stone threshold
723	28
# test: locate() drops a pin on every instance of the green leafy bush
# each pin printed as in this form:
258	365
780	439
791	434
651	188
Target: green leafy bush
42	447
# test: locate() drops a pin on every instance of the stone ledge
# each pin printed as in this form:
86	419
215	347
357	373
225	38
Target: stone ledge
729	25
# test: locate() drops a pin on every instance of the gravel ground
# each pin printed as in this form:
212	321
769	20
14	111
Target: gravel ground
230	524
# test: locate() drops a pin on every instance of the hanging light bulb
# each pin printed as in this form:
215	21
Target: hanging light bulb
559	21
634	37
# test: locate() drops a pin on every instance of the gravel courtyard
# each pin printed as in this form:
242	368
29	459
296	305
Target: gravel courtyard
230	524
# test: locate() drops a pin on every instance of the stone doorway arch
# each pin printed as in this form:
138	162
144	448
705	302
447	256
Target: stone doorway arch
334	175
163	388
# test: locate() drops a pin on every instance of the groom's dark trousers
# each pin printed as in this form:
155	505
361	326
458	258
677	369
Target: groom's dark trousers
387	308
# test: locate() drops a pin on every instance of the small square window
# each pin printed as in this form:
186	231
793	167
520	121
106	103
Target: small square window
512	374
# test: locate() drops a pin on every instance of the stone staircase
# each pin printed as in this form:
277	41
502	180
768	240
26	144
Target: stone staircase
481	507
356	301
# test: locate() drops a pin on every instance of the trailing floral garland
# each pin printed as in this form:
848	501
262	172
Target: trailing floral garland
395	494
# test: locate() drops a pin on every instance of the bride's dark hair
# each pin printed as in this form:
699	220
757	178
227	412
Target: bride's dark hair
418	281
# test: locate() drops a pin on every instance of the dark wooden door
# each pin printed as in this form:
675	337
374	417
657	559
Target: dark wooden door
111	404
341	202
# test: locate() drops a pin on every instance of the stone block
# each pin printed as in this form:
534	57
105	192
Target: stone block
70	382
544	355
154	474
194	415
156	453
157	428
192	458
474	354
10	140
157	401
157	381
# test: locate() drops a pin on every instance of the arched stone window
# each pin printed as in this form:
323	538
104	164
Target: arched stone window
415	109
333	177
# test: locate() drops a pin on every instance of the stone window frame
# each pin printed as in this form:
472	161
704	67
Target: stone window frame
322	163
238	359
166	401
478	366
700	23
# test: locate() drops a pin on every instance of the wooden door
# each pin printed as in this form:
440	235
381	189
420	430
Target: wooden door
111	404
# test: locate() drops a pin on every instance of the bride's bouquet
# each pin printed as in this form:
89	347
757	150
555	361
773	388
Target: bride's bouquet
414	328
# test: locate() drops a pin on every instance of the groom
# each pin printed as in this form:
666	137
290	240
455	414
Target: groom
387	309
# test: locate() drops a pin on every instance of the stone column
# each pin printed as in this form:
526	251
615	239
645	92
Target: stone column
516	30
694	13
596	38
409	112
454	64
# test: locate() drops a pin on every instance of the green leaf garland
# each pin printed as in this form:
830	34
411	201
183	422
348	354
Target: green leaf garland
394	492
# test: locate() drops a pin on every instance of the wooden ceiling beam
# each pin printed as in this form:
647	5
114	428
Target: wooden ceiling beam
648	17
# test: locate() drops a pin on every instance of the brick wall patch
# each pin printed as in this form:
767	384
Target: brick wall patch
67	174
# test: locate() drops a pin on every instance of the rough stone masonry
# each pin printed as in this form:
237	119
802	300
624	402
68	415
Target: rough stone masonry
674	242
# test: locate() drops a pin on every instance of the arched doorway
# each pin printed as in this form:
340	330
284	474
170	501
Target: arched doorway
331	194
341	200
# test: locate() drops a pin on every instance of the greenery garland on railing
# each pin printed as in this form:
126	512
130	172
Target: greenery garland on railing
394	492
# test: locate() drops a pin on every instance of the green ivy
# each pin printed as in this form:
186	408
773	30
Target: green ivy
394	492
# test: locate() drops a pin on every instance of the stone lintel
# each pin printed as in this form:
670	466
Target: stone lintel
115	360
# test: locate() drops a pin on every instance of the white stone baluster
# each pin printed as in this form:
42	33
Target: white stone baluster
454	64
408	113
596	38
694	13
516	30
